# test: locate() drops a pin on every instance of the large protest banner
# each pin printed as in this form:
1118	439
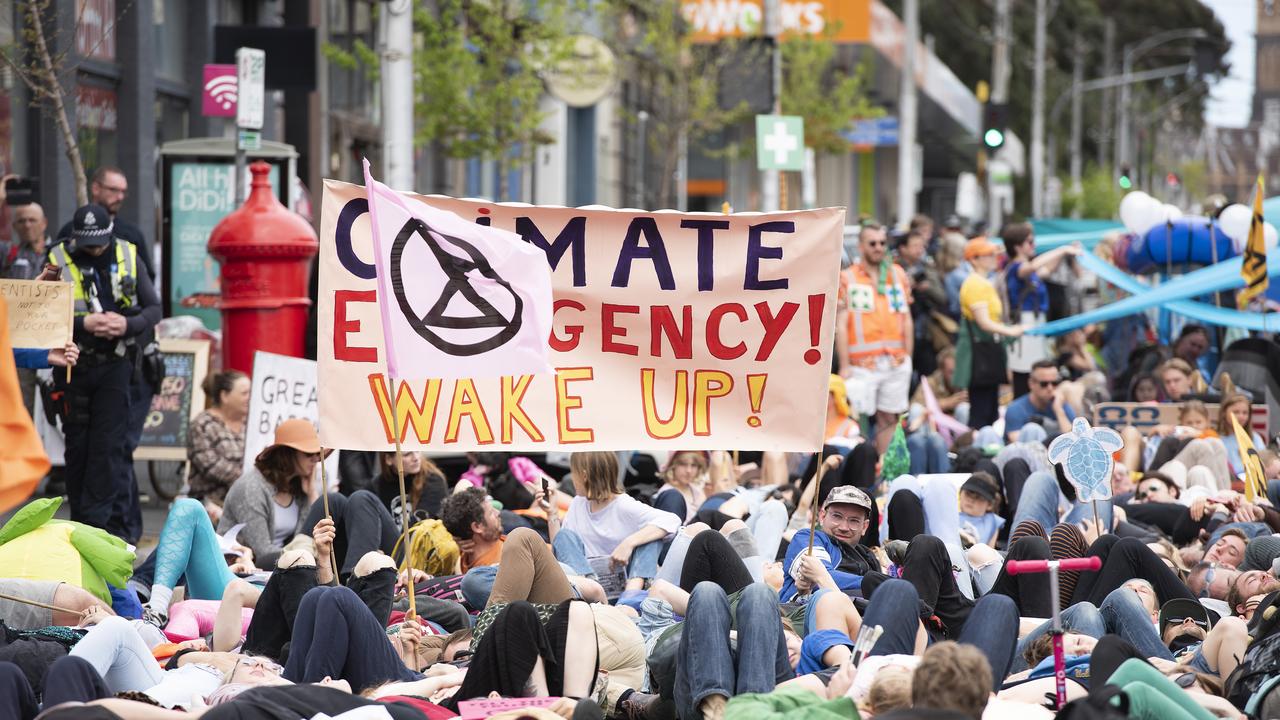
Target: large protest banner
670	330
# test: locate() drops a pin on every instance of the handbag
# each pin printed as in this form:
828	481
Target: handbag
988	361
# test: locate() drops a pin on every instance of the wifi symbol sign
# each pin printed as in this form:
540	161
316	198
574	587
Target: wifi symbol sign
220	91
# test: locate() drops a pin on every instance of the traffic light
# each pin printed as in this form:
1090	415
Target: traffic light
995	120
1126	178
1172	180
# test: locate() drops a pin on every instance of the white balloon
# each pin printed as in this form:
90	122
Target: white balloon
1133	210
1151	215
1234	222
1171	212
1269	236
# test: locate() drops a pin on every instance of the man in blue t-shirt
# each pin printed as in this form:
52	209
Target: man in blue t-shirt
1043	403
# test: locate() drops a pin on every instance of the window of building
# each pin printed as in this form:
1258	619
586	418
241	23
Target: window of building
96	31
96	117
170	24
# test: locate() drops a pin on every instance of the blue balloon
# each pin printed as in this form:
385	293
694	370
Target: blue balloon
1186	241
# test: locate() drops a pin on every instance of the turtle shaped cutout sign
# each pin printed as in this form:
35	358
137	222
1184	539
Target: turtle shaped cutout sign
1085	456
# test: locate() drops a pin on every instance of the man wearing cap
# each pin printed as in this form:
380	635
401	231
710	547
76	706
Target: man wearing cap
843	521
114	305
875	334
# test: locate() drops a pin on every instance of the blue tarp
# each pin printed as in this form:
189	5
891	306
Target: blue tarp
1055	232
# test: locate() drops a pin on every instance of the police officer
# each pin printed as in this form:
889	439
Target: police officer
115	304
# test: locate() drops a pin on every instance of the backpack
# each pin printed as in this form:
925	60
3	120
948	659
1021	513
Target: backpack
1255	677
432	548
1097	705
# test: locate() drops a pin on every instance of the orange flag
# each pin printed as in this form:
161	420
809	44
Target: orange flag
22	458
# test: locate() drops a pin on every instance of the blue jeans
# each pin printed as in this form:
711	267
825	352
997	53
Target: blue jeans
928	453
707	663
1082	618
1125	616
1040	498
569	550
644	561
992	626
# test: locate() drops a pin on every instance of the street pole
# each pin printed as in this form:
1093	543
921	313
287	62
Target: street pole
769	179
907	115
251	71
1077	115
1108	95
1122	122
1037	115
999	92
397	94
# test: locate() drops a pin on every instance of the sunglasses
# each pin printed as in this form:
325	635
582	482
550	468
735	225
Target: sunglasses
1208	581
876	243
1179	620
1185	680
256	662
1048	383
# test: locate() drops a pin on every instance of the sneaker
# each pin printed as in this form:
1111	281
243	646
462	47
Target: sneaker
896	550
151	616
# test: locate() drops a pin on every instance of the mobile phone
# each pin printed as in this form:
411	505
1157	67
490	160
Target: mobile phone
546	489
20	191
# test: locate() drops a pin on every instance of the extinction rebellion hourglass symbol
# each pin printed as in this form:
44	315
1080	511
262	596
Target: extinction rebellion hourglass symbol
456	269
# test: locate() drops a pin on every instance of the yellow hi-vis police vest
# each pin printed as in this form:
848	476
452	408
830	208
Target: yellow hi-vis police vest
124	277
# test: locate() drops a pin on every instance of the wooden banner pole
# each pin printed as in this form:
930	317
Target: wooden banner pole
404	503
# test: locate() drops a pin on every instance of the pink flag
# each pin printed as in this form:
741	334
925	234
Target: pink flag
458	300
948	427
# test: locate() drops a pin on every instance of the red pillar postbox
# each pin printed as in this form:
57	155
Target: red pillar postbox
265	252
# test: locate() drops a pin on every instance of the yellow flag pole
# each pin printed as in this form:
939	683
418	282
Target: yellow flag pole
404	502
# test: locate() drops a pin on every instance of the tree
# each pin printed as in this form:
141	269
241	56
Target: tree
1099	197
826	94
477	81
477	70
39	70
678	78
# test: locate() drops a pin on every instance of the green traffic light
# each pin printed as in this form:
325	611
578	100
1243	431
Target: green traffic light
1125	182
994	137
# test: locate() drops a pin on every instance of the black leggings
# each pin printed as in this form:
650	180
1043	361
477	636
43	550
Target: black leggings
273	618
362	524
1173	520
68	679
1122	560
1030	592
927	567
506	654
984	405
711	558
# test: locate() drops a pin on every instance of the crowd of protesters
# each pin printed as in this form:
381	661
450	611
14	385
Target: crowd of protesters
867	580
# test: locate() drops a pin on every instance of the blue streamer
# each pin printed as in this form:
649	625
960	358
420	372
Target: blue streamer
1173	294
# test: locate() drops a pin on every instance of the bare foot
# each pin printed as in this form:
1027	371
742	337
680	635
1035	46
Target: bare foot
712	707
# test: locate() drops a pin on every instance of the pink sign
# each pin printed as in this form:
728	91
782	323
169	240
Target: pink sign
483	708
220	90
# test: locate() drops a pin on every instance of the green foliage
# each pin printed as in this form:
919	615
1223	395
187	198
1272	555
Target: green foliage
1098	197
680	78
476	74
1195	178
828	96
361	56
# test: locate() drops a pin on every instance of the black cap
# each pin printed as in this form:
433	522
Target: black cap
1179	609
91	226
980	487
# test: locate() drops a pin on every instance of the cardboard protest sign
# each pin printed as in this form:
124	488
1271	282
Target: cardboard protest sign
1145	416
669	330
282	387
181	398
40	312
1085	456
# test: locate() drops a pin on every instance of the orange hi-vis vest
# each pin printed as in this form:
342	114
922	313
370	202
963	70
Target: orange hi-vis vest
875	319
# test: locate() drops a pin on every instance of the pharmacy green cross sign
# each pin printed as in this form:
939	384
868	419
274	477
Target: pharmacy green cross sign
779	142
